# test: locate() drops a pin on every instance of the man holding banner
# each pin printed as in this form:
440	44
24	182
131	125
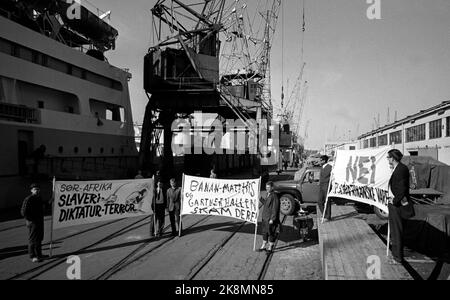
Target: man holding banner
270	218
33	212
174	205
159	208
401	207
324	184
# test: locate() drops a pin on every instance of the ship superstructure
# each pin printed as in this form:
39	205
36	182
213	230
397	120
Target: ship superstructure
65	111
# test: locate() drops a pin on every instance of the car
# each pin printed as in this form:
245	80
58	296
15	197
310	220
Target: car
303	190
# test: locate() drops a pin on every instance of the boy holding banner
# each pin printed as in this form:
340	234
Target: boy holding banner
174	205
159	204
270	218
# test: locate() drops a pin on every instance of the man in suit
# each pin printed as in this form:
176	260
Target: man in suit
159	204
324	184
270	218
401	207
174	205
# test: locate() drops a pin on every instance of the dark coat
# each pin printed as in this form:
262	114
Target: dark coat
271	209
399	184
325	175
174	199
159	198
33	208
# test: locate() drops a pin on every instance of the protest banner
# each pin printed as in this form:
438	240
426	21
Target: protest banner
80	203
238	199
362	176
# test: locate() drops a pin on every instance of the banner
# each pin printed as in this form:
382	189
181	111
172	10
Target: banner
80	203
237	199
362	176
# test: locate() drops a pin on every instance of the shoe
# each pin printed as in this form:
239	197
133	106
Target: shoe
269	250
395	261
263	248
35	260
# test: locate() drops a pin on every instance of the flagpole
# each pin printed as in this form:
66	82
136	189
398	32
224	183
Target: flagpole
388	239
53	212
257	214
181	209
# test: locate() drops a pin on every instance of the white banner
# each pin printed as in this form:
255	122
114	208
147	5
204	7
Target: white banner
237	199
362	176
80	203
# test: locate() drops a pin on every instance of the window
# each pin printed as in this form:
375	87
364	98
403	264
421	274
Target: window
40	104
57	64
60	149
383	140
75	150
448	127
396	137
373	142
436	129
352	148
89	150
415	134
366	144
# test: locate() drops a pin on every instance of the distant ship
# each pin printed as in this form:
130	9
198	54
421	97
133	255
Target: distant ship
65	111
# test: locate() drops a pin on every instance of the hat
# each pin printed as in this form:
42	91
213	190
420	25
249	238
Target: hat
34	185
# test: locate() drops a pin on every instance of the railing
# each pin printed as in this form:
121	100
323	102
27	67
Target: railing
18	113
84	168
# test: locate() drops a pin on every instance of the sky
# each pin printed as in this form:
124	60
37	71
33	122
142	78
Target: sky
356	68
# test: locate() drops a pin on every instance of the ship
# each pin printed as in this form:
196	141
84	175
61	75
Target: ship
65	111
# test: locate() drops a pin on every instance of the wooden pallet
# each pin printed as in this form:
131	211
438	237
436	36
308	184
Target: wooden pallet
349	249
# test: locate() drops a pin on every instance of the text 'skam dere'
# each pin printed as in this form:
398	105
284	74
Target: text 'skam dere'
244	209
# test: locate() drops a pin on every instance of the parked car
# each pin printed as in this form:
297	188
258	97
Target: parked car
304	191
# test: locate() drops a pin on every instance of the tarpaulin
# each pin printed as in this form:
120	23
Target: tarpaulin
427	172
429	230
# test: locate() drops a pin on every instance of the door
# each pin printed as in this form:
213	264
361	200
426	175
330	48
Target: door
310	186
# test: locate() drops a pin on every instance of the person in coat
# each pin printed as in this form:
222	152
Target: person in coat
324	184
174	205
401	207
270	218
33	212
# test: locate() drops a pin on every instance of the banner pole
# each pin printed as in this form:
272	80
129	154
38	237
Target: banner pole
181	209
388	239
53	212
257	214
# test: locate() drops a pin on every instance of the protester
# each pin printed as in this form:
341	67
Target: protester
270	218
33	212
139	175
174	205
324	184
401	207
159	208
